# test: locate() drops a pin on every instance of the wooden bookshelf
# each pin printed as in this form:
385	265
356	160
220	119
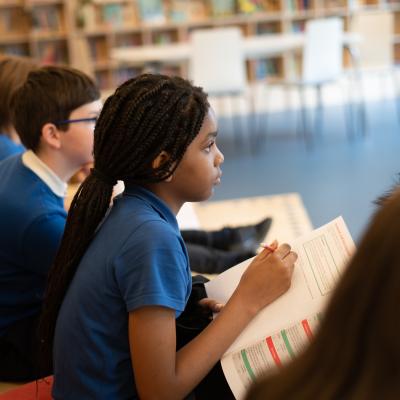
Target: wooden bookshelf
83	32
35	28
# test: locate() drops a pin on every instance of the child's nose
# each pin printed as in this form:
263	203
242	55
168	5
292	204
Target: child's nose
219	158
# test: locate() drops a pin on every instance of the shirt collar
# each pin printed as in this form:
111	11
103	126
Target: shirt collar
47	175
159	205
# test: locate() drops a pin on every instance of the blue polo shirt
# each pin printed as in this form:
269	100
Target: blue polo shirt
32	220
137	258
8	147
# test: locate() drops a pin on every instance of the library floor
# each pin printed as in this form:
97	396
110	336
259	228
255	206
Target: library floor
336	176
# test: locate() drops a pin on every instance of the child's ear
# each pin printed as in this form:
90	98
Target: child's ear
51	136
159	161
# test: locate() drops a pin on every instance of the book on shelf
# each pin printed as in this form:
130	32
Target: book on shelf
330	4
298	5
112	15
13	20
46	19
151	11
267	28
6	21
272	5
183	10
294	67
98	49
285	327
222	8
123	74
298	26
198	10
52	52
15	49
170	70
266	68
250	6
86	17
179	10
164	37
103	79
128	39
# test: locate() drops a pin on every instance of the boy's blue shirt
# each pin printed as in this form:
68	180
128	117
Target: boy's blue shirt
137	258
32	223
8	147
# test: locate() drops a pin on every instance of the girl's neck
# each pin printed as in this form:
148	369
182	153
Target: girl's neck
160	189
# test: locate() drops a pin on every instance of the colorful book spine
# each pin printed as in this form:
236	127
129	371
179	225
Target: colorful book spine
151	11
221	8
113	15
250	6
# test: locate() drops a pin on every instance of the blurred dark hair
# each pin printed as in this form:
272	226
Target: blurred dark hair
13	72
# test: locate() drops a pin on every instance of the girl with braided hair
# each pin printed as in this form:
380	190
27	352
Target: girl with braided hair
121	276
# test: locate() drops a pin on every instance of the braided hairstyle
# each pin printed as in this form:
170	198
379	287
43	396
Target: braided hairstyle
145	116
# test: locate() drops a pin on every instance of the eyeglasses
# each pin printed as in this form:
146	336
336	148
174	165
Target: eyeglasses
71	121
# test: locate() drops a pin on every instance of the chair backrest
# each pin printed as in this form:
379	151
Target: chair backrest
376	47
323	50
217	61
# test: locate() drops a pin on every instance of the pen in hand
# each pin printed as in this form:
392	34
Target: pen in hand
271	247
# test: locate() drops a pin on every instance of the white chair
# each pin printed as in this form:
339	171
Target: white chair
322	56
217	63
322	63
374	53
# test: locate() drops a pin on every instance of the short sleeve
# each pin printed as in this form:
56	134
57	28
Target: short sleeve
41	241
154	270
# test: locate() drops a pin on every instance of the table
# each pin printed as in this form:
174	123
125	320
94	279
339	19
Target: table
254	47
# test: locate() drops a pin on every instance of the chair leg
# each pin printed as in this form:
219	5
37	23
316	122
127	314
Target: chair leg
318	111
396	93
222	109
357	81
348	113
361	104
235	130
252	122
348	116
263	121
243	135
303	114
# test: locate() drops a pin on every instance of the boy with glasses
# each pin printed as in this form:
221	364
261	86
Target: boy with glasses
54	113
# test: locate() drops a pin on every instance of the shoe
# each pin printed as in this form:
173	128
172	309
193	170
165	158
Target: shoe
249	237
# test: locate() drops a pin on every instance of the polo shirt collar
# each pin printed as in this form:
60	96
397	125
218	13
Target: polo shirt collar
159	205
47	175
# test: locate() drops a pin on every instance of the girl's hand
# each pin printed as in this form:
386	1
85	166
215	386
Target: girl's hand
211	305
268	276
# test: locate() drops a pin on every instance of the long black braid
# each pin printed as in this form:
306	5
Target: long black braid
146	115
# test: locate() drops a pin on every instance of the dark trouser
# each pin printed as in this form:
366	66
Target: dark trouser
221	239
207	260
191	322
209	251
19	352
